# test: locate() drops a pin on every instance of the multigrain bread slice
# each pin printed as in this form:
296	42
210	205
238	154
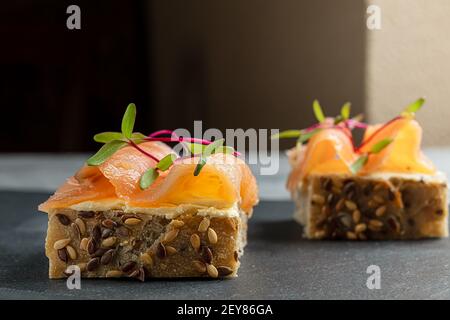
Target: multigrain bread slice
382	207
175	242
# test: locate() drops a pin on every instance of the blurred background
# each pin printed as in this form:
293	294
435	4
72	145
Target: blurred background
232	64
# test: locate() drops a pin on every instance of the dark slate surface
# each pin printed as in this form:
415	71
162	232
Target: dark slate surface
278	264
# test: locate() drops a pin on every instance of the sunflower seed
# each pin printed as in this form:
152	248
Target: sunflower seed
224	270
380	211
170	235
63	219
212	271
356	216
107	257
108	223
212	236
71	252
394	224
176	224
361	227
199	266
349	187
86	214
351	235
132	221
204	225
378	199
109	242
350	205
375	225
327	184
146	259
84	244
128	266
93	264
317	199
76	230
61	244
207	254
81	226
62	255
195	241
236	256
161	251
171	250
114	274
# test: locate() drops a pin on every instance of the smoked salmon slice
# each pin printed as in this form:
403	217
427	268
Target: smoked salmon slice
224	180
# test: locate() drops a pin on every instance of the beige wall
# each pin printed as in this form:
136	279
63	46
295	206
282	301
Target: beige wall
408	58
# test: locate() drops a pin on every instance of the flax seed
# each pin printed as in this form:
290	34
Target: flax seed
161	251
63	219
107	257
86	214
108	223
93	264
224	271
62	255
340	205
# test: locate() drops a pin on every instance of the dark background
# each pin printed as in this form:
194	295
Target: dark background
232	64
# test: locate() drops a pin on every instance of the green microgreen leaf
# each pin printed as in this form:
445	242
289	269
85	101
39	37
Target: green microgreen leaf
138	137
199	166
308	135
106	137
166	162
105	152
359	163
148	178
318	111
287	134
345	110
195	148
128	120
414	107
379	146
224	149
209	150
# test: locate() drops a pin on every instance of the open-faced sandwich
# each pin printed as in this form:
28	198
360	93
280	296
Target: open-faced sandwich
384	188
137	209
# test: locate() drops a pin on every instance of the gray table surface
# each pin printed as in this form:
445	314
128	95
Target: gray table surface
278	264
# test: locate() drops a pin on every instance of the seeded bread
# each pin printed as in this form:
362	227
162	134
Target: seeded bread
376	207
112	243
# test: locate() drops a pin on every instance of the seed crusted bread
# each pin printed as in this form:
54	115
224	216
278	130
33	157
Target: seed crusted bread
114	244
375	207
